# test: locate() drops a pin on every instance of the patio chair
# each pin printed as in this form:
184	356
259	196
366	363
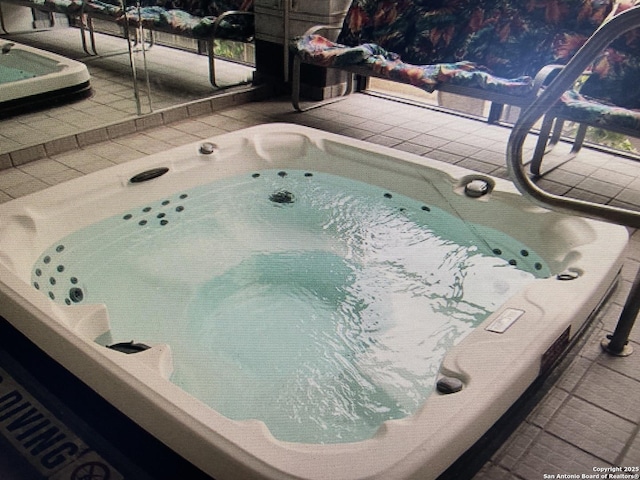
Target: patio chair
609	99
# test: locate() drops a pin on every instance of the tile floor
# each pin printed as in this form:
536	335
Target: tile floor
586	414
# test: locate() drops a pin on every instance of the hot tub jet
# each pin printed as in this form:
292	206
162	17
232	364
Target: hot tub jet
282	196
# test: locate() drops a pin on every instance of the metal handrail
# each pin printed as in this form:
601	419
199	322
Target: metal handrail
608	31
618	343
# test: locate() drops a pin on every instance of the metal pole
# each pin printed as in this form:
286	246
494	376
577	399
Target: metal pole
132	63
618	343
286	9
144	58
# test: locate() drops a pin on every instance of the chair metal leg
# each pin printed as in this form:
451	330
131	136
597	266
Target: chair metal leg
495	112
152	38
212	60
556	134
618	343
549	138
579	140
541	145
83	21
92	35
295	83
88	27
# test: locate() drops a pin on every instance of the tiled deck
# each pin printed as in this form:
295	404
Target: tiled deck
588	414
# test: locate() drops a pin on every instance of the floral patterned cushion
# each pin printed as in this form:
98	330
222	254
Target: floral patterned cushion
510	37
467	74
64	6
185	15
231	27
387	23
112	9
204	8
519	37
630	41
182	23
178	21
614	75
614	79
582	109
497	45
320	51
323	52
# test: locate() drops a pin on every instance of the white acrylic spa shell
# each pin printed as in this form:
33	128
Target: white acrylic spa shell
494	367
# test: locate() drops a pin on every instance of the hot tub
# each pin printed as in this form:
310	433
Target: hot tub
32	77
550	272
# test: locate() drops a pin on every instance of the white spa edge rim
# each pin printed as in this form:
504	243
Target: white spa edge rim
495	368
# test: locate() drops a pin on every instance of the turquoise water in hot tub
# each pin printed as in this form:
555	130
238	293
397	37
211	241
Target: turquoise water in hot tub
319	305
10	74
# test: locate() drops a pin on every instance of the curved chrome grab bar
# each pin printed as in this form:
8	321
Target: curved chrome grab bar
609	31
618	343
